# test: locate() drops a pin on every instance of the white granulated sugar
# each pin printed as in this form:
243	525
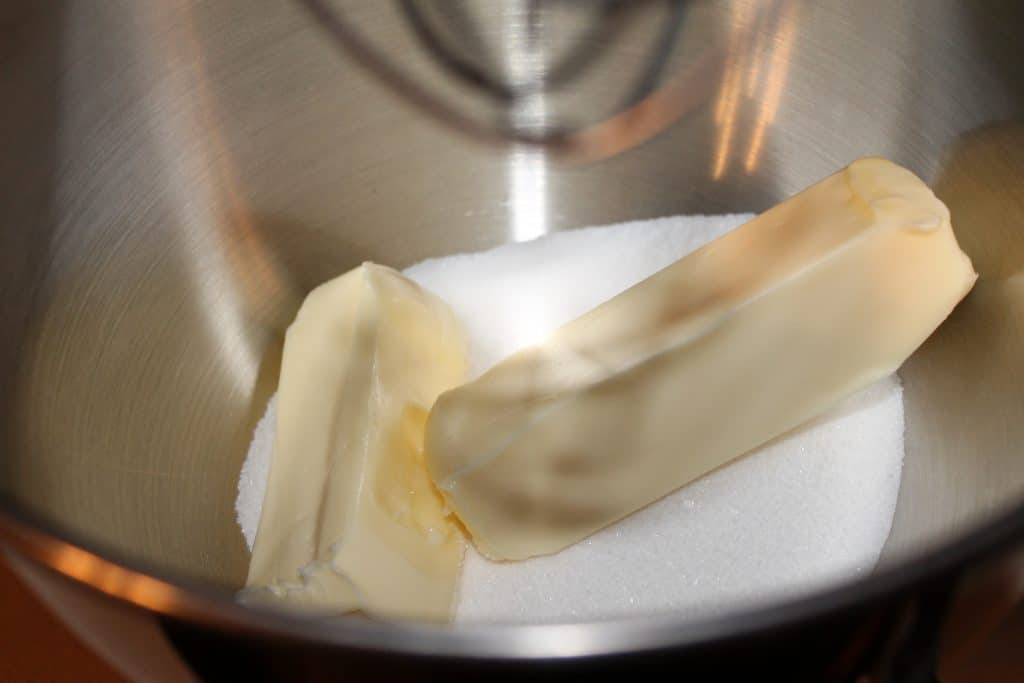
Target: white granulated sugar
513	296
812	507
252	482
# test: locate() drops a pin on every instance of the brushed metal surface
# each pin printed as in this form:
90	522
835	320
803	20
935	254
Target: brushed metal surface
177	174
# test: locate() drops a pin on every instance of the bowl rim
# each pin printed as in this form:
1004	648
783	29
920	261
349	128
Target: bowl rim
133	582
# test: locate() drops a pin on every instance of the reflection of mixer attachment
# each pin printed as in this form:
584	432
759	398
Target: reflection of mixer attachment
507	61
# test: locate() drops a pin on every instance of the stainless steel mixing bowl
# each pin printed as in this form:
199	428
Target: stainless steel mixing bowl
176	174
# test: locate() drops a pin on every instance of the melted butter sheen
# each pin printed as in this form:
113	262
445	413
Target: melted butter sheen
402	486
351	520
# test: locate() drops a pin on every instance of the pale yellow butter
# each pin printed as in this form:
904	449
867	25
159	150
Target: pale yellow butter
351	521
722	351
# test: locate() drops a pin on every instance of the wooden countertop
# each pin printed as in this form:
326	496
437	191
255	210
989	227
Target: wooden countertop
36	647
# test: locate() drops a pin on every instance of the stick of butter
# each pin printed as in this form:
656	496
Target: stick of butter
727	348
351	520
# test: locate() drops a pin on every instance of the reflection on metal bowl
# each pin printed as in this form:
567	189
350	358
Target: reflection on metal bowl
176	175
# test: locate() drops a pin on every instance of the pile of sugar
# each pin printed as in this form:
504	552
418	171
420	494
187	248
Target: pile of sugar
810	508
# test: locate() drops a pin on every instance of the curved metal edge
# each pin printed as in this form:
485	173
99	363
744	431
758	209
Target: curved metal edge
645	119
152	590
